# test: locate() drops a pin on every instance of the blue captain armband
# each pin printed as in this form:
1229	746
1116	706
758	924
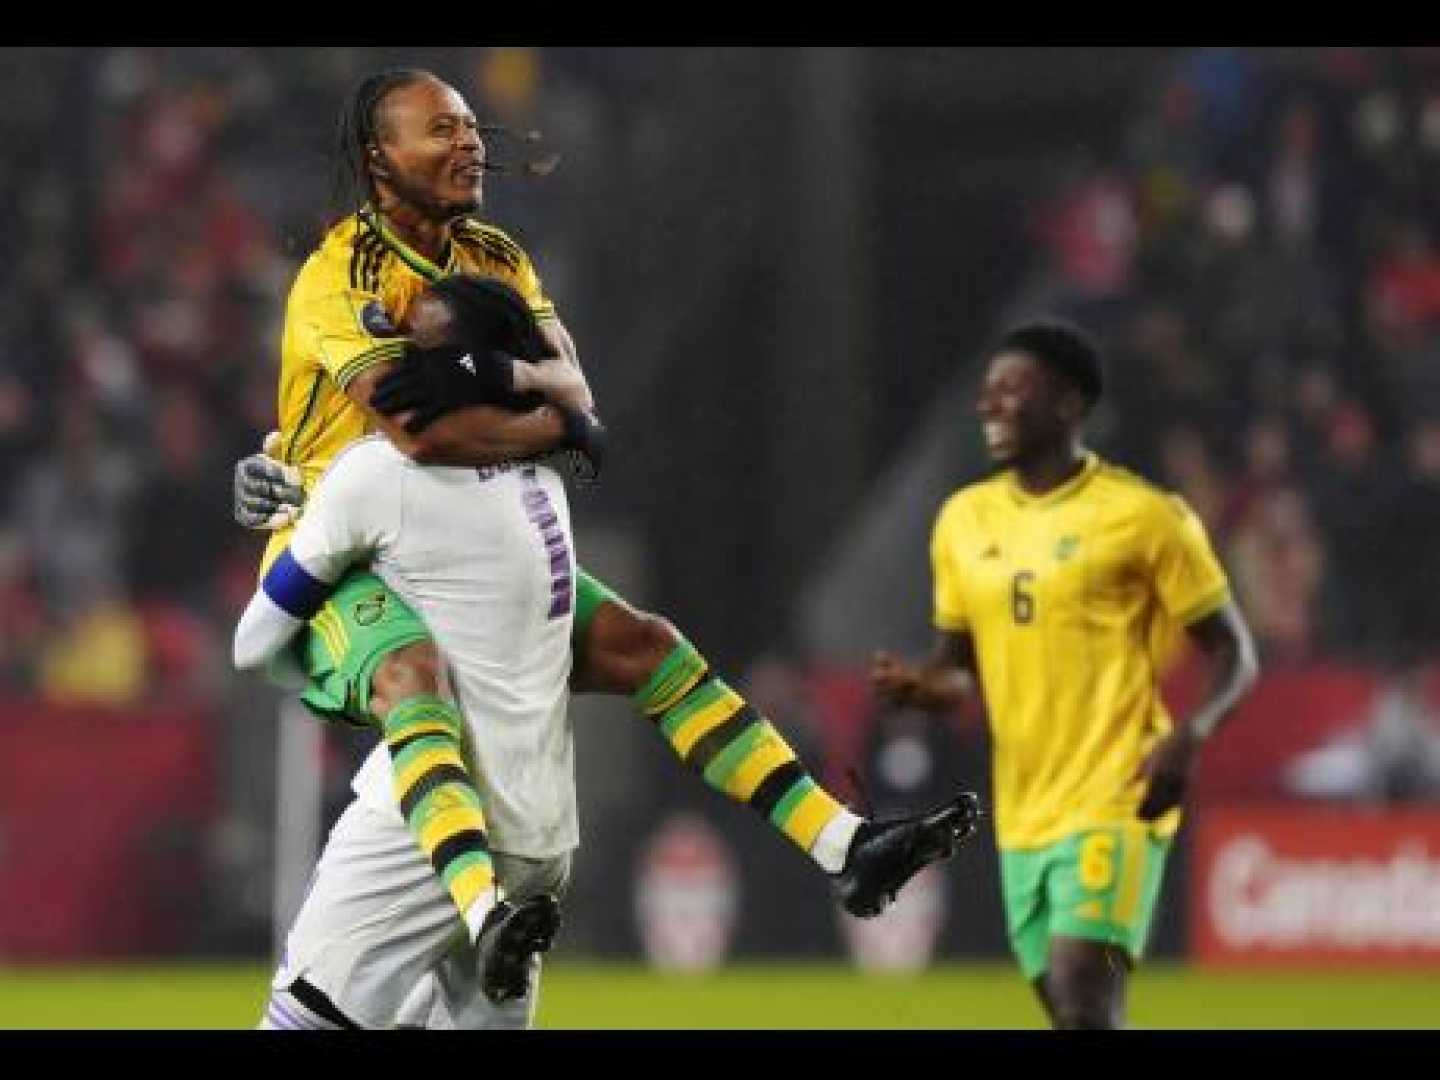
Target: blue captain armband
292	588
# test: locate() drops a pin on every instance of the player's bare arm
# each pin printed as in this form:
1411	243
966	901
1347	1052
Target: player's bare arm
1225	640
559	378
943	680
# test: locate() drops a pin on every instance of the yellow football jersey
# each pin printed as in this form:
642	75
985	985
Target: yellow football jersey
341	319
1062	595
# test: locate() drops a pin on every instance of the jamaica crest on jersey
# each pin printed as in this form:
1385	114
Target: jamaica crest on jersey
376	322
370	610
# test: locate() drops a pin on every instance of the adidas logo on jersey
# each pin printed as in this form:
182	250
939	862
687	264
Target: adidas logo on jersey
467	362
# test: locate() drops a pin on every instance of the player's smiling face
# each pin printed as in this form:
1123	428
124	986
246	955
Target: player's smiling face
432	155
1017	407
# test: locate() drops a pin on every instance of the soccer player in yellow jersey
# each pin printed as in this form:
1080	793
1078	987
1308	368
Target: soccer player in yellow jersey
415	150
1055	582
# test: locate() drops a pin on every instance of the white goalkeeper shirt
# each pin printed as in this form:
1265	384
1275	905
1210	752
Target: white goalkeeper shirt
485	557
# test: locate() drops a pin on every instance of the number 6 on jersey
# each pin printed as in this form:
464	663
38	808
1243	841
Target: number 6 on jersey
1022	603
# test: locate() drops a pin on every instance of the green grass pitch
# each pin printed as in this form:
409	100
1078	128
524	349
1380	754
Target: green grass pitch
584	995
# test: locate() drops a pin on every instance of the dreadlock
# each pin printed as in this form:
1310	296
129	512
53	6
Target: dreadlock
491	315
358	130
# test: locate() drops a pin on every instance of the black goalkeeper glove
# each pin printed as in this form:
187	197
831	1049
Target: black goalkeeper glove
433	382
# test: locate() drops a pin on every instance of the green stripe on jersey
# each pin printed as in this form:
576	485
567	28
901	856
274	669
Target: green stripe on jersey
304	417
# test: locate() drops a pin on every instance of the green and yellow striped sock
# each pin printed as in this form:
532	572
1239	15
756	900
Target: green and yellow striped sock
735	749
438	799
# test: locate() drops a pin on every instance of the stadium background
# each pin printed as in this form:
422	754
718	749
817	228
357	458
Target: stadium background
782	266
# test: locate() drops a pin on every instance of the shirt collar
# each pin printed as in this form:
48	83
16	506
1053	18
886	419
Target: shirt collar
1088	469
408	255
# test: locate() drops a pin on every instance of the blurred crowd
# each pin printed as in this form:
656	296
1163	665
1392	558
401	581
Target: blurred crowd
159	203
1261	260
138	331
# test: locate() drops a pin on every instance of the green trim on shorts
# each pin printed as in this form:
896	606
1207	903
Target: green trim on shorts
364	620
590	593
361	623
1099	884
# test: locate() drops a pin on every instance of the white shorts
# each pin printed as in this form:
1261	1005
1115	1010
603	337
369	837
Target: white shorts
381	938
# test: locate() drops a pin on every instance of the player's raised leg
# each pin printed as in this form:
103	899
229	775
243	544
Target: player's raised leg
434	786
737	752
372	662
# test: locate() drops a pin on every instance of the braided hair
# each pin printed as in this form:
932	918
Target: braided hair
492	315
358	130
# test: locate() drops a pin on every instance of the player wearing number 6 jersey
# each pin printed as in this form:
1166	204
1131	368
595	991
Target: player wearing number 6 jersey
1057	582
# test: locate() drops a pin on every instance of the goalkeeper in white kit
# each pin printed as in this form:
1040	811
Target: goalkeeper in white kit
481	556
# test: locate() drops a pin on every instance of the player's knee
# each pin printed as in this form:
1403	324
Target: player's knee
628	631
1085	994
624	647
658	638
652	641
1085	1013
409	670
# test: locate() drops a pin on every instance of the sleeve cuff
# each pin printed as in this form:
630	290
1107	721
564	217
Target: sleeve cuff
950	624
1206	606
358	365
